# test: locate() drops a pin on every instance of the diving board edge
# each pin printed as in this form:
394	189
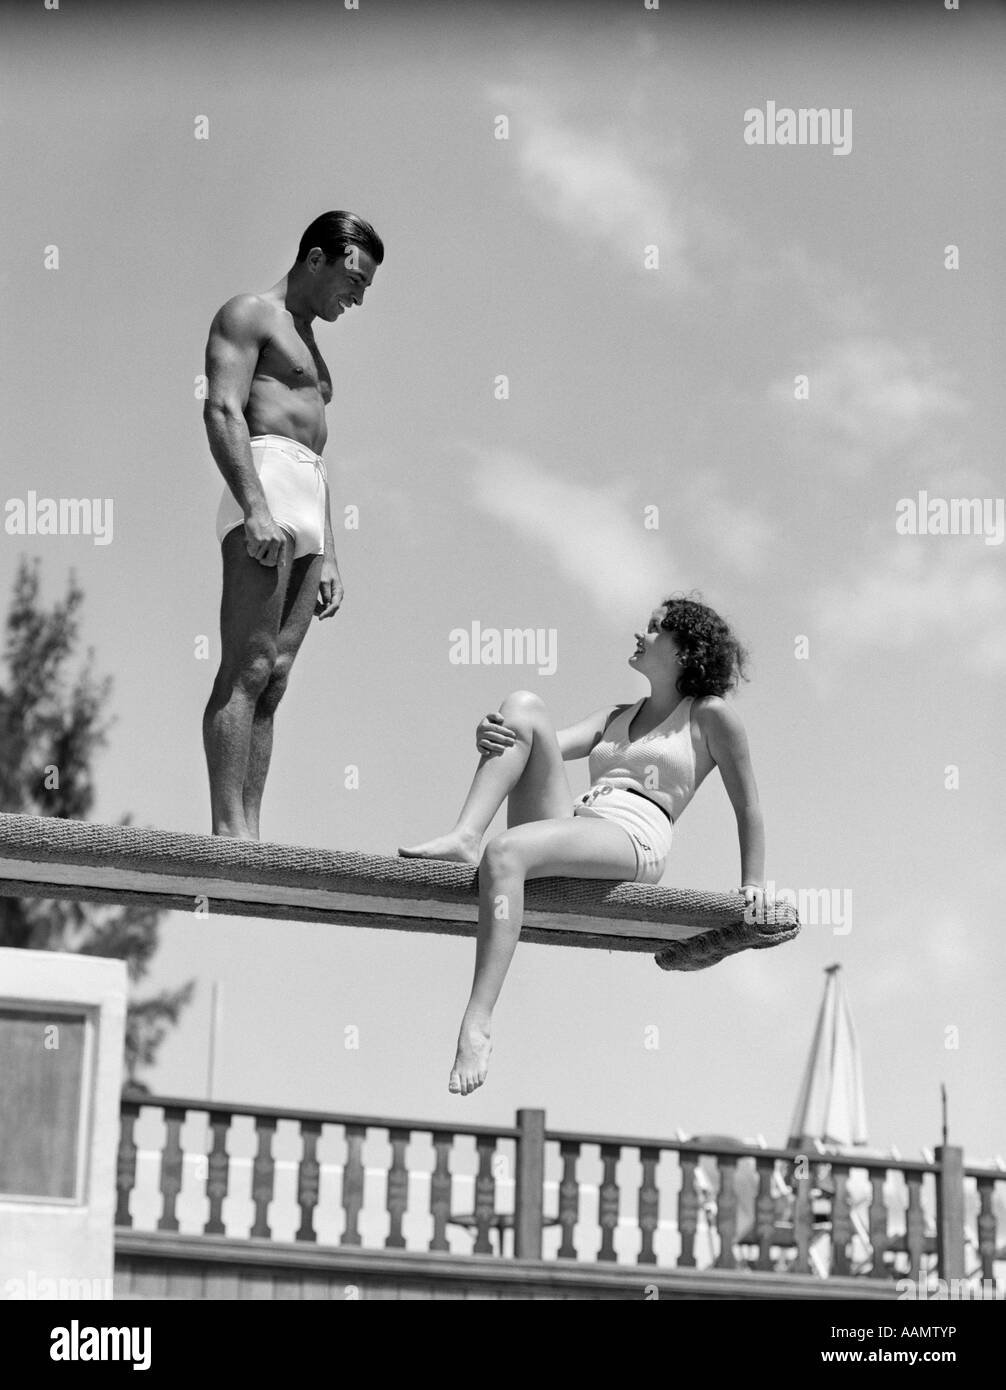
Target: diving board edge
49	857
559	934
235	898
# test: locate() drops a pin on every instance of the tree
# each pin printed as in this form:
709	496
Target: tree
51	725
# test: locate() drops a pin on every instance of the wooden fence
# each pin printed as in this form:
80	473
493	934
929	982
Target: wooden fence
328	1180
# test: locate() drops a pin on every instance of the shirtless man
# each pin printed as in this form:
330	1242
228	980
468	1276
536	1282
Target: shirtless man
265	421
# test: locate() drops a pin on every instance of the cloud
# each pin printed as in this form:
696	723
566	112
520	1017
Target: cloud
615	189
946	950
943	590
611	191
871	397
949	947
729	533
877	405
824	289
595	537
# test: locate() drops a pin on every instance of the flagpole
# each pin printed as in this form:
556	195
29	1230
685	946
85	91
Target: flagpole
216	1014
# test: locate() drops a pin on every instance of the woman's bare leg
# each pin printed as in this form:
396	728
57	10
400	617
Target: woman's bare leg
530	775
572	847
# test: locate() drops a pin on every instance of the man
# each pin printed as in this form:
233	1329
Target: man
265	421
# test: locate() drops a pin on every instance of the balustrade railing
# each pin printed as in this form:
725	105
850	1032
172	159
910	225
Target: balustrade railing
268	1174
988	1221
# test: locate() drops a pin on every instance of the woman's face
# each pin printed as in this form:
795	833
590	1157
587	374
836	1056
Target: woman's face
656	650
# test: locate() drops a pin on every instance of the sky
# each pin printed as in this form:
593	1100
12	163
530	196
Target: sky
656	438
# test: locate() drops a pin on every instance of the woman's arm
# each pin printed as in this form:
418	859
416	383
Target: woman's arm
578	739
492	735
728	745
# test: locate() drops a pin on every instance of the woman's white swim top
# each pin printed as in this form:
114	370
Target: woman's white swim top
668	764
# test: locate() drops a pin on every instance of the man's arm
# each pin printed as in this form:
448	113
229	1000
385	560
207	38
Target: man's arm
330	590
237	335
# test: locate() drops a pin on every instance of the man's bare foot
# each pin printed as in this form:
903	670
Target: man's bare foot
456	846
472	1061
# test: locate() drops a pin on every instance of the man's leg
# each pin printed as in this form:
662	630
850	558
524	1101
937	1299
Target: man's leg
301	595
251	612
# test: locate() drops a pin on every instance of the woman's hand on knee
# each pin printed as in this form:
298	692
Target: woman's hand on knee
493	736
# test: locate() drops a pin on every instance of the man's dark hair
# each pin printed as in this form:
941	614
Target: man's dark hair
335	231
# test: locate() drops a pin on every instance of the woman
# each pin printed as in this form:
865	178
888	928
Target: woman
646	762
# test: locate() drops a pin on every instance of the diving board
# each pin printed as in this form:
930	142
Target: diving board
43	857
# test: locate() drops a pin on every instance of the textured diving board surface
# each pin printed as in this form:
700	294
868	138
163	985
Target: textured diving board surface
49	858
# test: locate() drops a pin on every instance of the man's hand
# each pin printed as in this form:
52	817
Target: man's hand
330	590
264	539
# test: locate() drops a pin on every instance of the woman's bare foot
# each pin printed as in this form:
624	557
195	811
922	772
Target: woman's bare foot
472	1061
457	846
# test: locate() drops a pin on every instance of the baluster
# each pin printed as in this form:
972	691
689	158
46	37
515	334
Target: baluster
803	1219
649	1205
569	1198
398	1188
485	1195
609	1200
764	1212
308	1179
878	1224
915	1224
263	1174
440	1191
986	1226
726	1213
218	1171
841	1223
688	1211
352	1184
171	1167
125	1168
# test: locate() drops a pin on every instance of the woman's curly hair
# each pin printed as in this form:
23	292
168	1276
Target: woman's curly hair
712	659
